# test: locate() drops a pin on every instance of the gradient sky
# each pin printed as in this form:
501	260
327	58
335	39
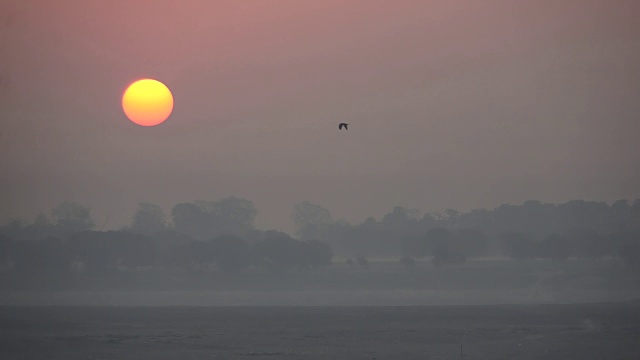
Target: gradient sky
452	104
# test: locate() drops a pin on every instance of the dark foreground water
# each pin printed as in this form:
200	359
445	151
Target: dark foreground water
584	331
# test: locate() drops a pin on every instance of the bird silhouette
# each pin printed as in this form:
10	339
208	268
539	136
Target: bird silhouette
343	125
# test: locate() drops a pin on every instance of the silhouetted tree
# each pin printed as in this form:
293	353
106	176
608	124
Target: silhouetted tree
362	261
317	253
634	216
191	219
580	214
206	219
590	244
41	220
71	217
14	228
414	246
41	229
452	217
310	219
597	246
149	219
91	249
401	220
472	242
231	253
532	217
170	245
479	219
443	247
555	248
102	252
6	251
619	217
47	256
197	255
133	250
629	249
231	215
438	238
517	245
343	238
279	252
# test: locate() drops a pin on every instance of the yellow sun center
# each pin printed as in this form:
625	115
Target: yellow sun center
147	102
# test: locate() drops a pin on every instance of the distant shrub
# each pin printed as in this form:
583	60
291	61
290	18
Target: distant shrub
363	262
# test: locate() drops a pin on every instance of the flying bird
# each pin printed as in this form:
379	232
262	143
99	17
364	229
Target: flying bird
343	125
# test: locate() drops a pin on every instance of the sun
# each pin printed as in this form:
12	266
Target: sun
147	102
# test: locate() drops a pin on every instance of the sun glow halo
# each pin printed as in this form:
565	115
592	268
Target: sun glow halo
147	102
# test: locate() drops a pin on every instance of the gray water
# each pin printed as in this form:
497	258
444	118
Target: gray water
578	331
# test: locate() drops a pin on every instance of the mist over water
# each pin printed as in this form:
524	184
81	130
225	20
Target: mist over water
210	253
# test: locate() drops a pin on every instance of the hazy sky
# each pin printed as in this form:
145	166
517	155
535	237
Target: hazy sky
452	104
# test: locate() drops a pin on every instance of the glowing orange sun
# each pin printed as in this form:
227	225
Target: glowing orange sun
147	102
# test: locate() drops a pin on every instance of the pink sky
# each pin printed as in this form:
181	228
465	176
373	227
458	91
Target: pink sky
452	104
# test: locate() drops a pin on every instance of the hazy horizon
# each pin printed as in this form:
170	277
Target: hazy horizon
451	104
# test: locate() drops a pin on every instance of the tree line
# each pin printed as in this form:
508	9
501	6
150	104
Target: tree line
577	228
221	235
216	235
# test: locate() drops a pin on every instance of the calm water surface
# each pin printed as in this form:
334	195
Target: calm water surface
596	331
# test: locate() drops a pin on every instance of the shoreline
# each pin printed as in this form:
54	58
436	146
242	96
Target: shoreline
305	298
